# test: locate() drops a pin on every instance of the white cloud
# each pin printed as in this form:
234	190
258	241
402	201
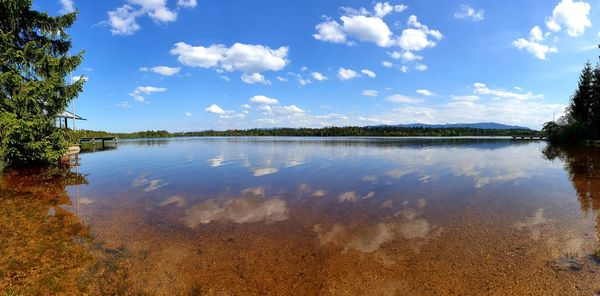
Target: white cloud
215	109
402	99
424	92
254	78
247	58
330	31
162	70
571	15
145	90
387	64
469	98
483	89
122	20
382	9
291	109
404	69
536	34
367	29
369	26
468	13
368	72
123	104
282	79
533	45
406	56
421	67
67	6
318	76
347	74
263	100
187	3
417	36
304	82
188	114
78	77
370	93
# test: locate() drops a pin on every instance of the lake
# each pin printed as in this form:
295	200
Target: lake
307	216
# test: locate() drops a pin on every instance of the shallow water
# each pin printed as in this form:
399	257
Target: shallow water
331	216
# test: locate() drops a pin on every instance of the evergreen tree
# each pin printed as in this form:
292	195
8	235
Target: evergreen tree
34	65
580	105
595	102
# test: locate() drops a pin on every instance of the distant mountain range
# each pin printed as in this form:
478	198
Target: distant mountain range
479	125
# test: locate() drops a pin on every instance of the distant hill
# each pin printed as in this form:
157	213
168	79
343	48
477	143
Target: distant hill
478	125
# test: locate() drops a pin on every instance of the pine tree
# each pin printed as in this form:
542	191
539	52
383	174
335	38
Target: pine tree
595	102
34	64
580	105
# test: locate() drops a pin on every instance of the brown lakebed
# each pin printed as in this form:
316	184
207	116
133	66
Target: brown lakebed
306	216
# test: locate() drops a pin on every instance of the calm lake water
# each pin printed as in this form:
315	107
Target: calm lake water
330	216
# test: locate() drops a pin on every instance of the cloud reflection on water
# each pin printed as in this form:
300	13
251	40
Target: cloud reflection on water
406	224
252	206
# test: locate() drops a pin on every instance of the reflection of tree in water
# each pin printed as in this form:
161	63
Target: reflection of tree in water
45	249
583	165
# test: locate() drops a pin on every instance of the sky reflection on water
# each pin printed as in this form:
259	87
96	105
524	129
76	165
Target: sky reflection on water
464	207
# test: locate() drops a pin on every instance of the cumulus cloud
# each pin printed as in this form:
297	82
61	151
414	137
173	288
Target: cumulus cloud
347	74
145	90
263	100
534	45
215	109
406	56
123	20
255	78
483	89
573	16
421	67
67	6
367	29
162	70
369	26
381	10
318	76
369	73
387	64
78	77
568	15
402	99
537	49
416	37
246	58
467	12
187	3
370	93
330	31
424	92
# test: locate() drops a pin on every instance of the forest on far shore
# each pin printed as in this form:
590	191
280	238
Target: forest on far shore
355	131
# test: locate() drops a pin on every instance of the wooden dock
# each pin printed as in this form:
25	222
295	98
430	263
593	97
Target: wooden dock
106	141
528	137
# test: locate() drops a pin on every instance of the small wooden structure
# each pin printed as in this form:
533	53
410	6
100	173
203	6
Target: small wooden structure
106	141
64	116
528	137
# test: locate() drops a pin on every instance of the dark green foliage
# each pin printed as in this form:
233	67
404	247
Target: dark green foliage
582	119
34	64
374	131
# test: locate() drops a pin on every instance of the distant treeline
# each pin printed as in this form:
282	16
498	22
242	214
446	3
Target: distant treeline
354	131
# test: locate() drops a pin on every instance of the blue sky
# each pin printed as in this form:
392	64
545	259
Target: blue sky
187	65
